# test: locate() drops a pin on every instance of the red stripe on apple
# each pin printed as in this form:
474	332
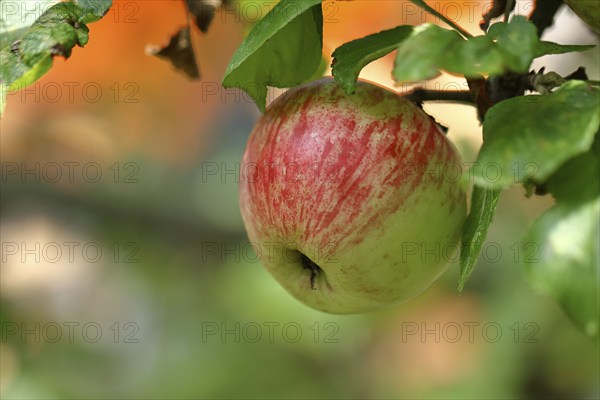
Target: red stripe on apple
335	186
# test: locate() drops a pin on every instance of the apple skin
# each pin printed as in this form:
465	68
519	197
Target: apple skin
588	11
348	182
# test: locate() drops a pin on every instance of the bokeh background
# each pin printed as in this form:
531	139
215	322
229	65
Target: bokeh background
126	272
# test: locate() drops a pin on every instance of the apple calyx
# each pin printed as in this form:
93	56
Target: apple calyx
311	266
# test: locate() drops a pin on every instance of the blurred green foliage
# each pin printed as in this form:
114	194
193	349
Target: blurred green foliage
194	275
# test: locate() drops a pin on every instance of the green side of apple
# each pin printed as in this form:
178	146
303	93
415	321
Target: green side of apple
377	229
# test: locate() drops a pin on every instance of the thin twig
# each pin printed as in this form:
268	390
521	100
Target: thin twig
448	21
420	95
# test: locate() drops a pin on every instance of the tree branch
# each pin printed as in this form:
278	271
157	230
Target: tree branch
420	95
433	11
499	7
543	14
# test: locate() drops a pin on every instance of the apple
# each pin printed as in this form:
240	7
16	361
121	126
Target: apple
588	11
352	202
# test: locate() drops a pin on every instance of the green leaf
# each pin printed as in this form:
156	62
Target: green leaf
16	17
473	57
350	58
530	137
577	180
483	207
519	42
21	75
430	48
8	38
565	239
18	73
56	32
283	49
543	48
516	41
320	71
421	55
93	10
29	54
562	259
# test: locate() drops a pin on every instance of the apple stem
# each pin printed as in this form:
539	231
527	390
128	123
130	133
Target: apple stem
433	11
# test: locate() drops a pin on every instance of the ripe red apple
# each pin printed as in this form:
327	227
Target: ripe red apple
352	202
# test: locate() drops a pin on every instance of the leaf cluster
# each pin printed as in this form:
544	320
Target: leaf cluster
27	50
